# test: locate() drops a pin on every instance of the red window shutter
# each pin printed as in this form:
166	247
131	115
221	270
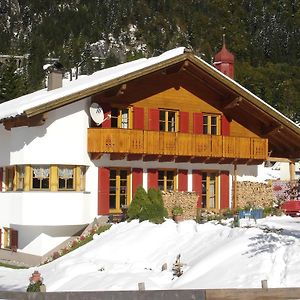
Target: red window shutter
14	239
138	118
1	181
224	197
182	180
152	178
107	111
103	191
184	122
153	119
225	126
198	123
137	179
197	186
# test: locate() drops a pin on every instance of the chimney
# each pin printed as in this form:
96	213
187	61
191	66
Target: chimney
224	61
55	76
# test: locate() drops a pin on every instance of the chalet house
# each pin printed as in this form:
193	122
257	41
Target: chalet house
171	122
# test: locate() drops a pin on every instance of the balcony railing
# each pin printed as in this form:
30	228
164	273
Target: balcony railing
124	141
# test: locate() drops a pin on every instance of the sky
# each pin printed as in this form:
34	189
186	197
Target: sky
213	256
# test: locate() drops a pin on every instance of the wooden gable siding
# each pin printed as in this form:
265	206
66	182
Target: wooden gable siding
176	91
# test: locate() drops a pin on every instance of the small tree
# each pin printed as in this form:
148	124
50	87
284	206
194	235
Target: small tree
139	201
147	206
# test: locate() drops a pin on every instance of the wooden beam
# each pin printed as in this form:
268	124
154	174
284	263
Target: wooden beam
233	103
225	161
204	82
278	159
184	66
292	170
122	89
166	158
116	91
272	130
96	156
212	160
234	178
34	121
131	157
117	156
150	157
180	159
198	159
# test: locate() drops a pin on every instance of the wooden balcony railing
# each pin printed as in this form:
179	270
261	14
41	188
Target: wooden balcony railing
124	141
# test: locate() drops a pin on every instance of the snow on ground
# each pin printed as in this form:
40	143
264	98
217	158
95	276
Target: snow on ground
214	256
43	244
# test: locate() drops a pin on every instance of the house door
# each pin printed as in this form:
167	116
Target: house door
209	190
119	192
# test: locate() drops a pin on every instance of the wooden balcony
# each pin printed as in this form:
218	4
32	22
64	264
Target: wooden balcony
175	145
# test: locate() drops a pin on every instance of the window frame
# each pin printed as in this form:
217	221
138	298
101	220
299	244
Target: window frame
65	188
12	177
207	179
166	180
117	194
120	115
32	178
165	120
209	123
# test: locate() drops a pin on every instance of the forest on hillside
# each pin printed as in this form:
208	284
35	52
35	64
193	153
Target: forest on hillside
264	35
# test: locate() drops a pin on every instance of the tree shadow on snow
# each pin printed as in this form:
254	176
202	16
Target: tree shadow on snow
268	243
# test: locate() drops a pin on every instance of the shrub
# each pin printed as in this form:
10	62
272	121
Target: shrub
34	287
147	206
177	211
140	199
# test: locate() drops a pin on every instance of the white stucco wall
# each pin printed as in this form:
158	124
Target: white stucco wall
285	170
61	140
46	208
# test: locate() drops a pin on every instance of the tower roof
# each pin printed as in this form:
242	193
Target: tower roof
224	55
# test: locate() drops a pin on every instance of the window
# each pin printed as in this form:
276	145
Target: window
211	124
168	120
118	189
66	178
121	117
44	177
10	238
9	178
20	176
209	190
40	177
82	171
166	180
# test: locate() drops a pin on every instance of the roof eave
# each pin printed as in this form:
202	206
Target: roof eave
104	86
245	94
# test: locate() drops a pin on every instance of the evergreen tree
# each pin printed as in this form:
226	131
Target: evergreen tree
13	81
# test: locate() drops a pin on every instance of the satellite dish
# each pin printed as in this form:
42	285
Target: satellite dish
97	113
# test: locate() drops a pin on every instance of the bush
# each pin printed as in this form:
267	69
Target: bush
147	206
140	200
177	211
34	287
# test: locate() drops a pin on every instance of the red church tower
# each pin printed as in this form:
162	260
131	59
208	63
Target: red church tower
224	61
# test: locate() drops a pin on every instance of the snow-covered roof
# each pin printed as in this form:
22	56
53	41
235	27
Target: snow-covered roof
43	100
20	105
